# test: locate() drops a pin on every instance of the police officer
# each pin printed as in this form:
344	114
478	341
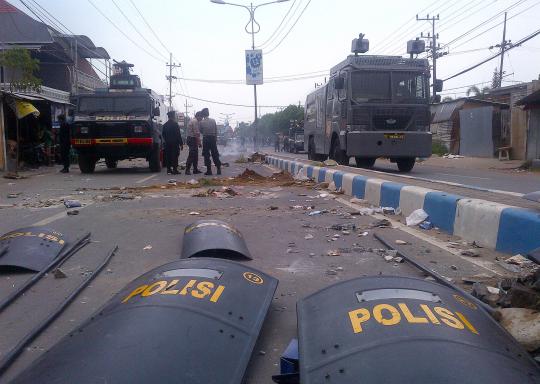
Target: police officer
65	142
193	142
209	131
173	143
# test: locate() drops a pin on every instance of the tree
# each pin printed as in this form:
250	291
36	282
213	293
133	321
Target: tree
447	98
21	62
279	122
477	92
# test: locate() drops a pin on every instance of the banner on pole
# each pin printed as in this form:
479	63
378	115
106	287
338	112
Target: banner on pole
254	67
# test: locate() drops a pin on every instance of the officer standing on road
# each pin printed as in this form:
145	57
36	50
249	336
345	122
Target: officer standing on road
193	142
173	143
65	142
209	131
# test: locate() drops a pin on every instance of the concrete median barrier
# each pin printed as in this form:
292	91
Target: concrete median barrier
493	225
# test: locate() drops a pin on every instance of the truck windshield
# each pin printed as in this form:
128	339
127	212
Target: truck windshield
378	86
124	105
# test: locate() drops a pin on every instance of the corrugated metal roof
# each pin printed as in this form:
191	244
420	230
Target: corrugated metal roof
444	111
533	98
16	27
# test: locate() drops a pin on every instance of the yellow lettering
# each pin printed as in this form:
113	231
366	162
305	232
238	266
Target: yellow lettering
393	320
448	318
135	292
217	294
203	289
168	290
154	288
190	284
410	317
358	317
466	322
430	314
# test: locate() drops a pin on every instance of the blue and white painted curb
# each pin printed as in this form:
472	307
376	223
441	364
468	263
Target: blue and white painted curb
497	226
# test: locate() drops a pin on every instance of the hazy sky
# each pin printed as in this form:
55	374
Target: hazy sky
209	41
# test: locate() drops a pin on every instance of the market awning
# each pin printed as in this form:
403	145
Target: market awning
23	108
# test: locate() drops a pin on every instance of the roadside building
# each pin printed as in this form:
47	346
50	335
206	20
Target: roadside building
471	127
519	116
531	106
65	70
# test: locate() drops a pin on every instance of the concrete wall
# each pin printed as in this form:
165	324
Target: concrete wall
2	138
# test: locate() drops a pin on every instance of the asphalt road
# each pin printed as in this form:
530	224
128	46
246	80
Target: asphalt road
462	174
147	225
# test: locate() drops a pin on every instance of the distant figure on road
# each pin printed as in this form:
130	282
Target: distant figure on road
65	142
193	142
276	143
173	143
209	131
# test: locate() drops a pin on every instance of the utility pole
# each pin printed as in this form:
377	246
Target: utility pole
432	47
170	78
503	46
186	105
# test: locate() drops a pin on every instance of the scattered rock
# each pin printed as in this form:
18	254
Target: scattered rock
481	291
330	163
194	213
331	272
262	353
363	234
381	224
453	267
470	253
518	260
309	236
398	259
388	258
72	203
13	195
524	325
59	274
272	208
333	252
147	248
401	242
355	200
73	212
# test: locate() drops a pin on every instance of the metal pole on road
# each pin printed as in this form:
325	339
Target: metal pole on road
251	9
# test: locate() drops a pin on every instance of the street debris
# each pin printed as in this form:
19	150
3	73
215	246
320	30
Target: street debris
72	203
73	212
225	192
383	223
401	242
416	217
356	200
331	272
59	274
171	182
316	213
330	163
389	211
518	260
193	182
332	187
194	213
309	236
363	234
344	227
470	253
333	252
426	225
257	158
450	156
301	175
272	208
524	325
147	247
13	195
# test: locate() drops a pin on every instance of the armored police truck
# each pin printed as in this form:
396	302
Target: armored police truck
120	122
372	106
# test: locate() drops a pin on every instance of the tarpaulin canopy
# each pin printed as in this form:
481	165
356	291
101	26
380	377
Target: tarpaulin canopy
23	108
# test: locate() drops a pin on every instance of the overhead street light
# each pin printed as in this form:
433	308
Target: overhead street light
251	9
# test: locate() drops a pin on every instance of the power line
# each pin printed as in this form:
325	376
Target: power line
289	31
242	82
230	104
137	30
123	33
278	27
525	39
149	27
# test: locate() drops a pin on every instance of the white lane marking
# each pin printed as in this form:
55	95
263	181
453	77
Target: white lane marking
55	217
467	177
472	187
487	265
145	179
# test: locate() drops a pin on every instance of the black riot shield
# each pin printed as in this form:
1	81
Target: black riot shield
31	248
190	321
214	238
404	330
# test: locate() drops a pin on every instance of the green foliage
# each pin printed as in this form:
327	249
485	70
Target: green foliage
447	98
272	123
19	60
438	148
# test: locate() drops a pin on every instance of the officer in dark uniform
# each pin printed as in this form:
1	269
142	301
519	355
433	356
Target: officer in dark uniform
173	143
209	131
65	142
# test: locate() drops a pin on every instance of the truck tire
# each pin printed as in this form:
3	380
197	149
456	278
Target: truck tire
111	164
312	155
87	163
154	161
364	162
406	164
337	154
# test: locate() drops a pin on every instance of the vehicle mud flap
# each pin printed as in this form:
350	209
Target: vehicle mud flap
190	321
31	248
214	238
404	330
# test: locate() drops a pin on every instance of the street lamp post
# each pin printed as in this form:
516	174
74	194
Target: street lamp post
251	9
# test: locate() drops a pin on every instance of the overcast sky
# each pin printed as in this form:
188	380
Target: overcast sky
209	40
